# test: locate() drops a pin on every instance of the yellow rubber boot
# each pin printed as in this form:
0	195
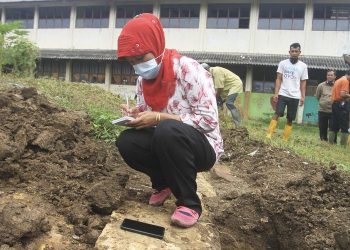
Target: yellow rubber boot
271	128
287	131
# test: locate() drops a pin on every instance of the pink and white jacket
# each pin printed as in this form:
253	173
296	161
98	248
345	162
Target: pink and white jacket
194	100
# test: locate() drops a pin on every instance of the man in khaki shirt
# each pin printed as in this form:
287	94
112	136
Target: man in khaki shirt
227	86
324	97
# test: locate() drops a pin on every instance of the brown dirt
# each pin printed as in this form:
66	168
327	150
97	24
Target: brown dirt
55	177
282	201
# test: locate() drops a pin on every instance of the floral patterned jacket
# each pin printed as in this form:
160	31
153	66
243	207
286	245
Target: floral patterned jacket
194	100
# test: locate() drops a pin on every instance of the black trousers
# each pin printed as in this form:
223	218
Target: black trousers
340	117
171	154
290	103
324	123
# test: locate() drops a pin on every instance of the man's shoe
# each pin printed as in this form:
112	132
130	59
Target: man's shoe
158	197
184	217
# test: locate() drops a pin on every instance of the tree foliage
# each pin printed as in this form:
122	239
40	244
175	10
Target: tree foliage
16	51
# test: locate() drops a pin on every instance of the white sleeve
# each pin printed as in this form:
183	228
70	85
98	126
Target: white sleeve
305	75
280	68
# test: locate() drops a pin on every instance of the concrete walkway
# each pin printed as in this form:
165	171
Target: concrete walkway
201	236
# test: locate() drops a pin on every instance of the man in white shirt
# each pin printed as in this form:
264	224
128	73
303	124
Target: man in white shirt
289	90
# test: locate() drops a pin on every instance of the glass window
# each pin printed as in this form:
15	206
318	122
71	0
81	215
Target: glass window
127	12
123	74
54	17
24	15
331	17
88	71
228	16
264	79
180	16
92	17
281	16
52	68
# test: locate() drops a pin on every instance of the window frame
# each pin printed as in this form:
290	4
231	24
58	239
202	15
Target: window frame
274	20
170	16
27	23
88	20
328	23
123	73
136	10
63	24
89	71
220	24
45	68
266	77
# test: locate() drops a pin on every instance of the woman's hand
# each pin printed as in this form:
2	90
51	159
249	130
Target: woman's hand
144	120
133	112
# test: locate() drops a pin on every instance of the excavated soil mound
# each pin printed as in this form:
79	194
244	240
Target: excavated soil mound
55	178
50	152
279	200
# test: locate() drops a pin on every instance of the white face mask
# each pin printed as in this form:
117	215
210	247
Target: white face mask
149	69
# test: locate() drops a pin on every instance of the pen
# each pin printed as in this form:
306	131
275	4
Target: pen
127	103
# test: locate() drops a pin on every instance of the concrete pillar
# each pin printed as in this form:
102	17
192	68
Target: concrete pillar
253	24
300	114
68	76
2	10
112	23
108	75
247	91
249	79
36	23
156	9
36	18
73	14
203	10
307	27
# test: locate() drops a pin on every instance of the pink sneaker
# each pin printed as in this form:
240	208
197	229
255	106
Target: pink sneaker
158	197
184	217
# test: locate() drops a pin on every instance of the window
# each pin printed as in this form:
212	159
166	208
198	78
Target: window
127	12
228	16
264	79
54	17
329	17
24	15
281	17
92	17
123	74
88	71
179	16
52	68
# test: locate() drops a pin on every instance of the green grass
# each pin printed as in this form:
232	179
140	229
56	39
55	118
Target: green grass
303	141
102	106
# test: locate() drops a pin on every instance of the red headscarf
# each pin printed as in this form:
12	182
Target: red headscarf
142	35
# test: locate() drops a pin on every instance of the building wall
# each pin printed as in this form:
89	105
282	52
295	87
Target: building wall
252	40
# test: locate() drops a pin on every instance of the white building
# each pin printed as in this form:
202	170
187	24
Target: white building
78	38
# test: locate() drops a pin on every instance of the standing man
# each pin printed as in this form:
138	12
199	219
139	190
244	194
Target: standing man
340	109
324	97
289	90
227	85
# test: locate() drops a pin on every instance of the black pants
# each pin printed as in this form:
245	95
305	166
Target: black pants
340	117
324	123
171	154
292	107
